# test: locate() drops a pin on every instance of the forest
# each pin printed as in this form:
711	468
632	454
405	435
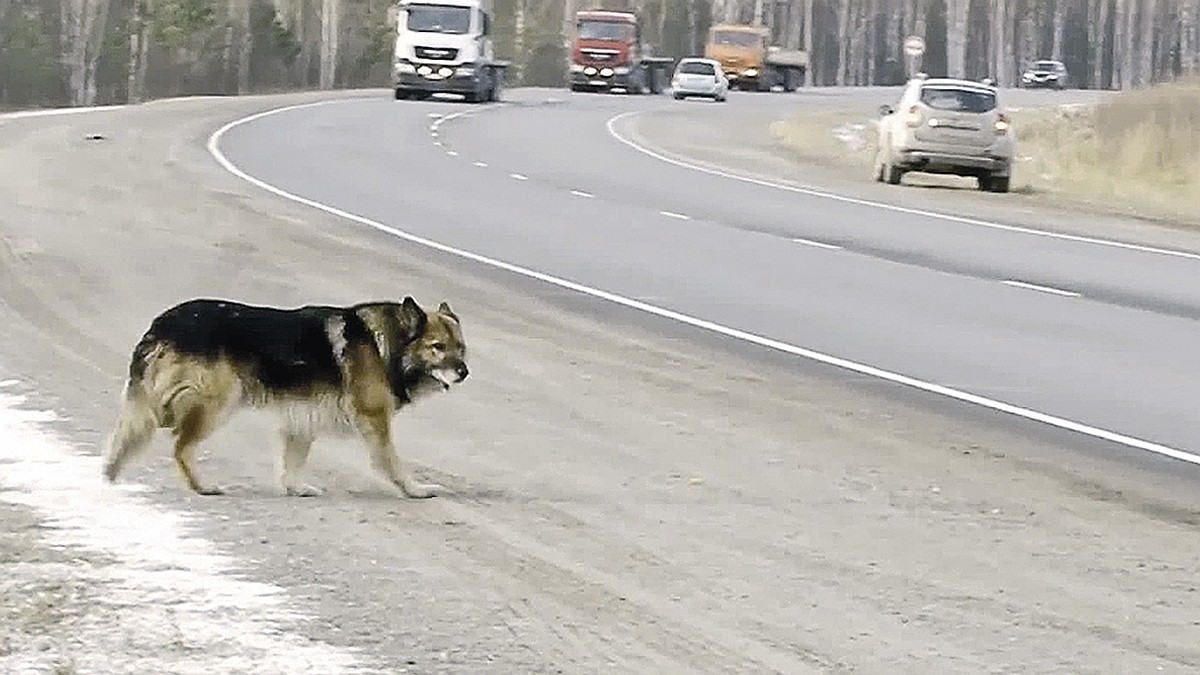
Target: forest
94	52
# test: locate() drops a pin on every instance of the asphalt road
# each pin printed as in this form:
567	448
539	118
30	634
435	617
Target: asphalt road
1087	331
627	492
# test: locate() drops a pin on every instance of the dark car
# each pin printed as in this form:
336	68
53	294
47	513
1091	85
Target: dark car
1045	73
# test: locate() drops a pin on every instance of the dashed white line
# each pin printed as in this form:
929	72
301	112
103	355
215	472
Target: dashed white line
439	144
452	153
482	165
581	193
696	322
518	176
1042	289
672	214
813	192
818	244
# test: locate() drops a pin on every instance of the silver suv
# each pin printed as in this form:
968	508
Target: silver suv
947	126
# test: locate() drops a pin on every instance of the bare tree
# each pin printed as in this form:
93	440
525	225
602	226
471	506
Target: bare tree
1098	16
843	41
1059	21
1146	63
808	42
330	32
957	14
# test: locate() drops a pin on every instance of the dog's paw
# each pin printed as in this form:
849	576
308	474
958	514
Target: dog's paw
421	490
303	490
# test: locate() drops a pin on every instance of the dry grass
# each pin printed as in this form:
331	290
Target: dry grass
1138	153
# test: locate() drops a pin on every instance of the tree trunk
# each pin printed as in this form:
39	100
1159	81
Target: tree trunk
808	41
330	31
1098	40
1123	44
999	41
843	42
1146	50
519	58
1060	21
957	15
97	30
139	48
245	50
1187	36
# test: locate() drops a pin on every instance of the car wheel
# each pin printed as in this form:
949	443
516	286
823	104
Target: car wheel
892	173
678	97
985	183
998	184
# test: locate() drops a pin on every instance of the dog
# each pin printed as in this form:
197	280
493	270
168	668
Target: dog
323	369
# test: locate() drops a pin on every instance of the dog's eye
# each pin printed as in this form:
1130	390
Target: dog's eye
438	346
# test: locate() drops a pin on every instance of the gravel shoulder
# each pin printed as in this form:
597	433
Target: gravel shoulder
623	496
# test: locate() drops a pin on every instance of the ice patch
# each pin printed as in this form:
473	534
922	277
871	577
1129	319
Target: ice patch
172	602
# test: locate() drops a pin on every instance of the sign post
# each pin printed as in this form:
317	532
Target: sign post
914	48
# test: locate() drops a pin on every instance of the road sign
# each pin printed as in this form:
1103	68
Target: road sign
914	45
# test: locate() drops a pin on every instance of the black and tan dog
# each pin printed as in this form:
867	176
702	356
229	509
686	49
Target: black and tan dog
325	369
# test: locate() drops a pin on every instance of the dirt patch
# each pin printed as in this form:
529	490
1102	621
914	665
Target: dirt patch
1134	154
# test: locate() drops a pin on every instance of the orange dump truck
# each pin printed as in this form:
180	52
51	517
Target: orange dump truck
751	62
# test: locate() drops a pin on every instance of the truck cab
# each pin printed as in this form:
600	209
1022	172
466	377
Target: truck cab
445	46
607	54
750	61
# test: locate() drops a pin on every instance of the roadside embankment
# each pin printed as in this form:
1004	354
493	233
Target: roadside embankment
1136	153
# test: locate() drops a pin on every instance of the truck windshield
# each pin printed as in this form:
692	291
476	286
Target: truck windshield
736	38
439	19
958	100
605	30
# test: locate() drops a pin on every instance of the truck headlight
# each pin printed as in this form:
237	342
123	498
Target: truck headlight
750	72
606	72
621	70
404	67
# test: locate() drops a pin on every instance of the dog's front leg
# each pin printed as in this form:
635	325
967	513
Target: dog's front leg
376	428
296	447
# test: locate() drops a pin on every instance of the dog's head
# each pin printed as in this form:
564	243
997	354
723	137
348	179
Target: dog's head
438	351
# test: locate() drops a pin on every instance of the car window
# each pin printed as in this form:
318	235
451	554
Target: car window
736	38
697	68
1046	65
958	100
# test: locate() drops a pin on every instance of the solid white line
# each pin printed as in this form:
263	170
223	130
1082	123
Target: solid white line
1043	289
611	124
54	112
818	244
581	193
518	176
672	214
956	394
482	165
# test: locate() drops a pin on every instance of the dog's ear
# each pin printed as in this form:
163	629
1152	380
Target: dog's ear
445	310
413	317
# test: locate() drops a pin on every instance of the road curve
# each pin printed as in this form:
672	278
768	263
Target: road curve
627	493
1097	333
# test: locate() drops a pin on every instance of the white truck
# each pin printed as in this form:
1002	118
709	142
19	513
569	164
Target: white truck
445	46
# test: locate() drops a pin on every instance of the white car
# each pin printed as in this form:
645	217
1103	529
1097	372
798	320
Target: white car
947	126
696	76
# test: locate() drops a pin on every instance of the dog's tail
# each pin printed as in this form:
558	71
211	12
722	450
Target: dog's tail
140	414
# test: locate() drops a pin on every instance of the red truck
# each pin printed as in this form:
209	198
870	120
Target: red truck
608	54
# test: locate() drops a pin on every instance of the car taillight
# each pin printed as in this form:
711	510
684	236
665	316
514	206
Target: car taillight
1002	124
914	116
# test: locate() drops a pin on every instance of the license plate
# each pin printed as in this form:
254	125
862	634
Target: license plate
598	83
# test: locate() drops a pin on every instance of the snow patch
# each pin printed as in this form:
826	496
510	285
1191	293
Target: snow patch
172	602
852	135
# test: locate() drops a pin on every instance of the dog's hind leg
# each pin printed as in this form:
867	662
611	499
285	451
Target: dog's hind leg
376	428
296	446
193	425
134	428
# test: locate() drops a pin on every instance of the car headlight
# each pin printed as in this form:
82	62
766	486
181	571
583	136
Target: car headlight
1052	76
404	67
1027	76
750	72
621	70
464	71
606	72
589	71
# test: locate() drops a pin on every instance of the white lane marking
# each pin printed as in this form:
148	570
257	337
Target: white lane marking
611	124
433	134
518	176
1043	289
672	214
9	383
818	244
164	580
863	369
54	112
482	165
581	193
452	153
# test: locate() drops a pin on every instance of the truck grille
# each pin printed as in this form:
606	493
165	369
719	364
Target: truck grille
436	53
